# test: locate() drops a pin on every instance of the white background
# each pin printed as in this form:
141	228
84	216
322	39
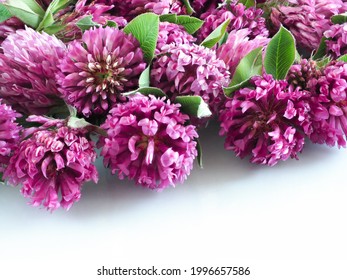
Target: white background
285	222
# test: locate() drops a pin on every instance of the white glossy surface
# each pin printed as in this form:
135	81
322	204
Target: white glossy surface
229	213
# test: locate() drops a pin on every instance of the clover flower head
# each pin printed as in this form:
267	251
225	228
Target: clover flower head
52	165
265	121
29	66
97	69
189	69
149	142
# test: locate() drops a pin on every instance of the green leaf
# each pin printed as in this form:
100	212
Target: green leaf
151	91
249	66
343	58
48	20
247	3
229	90
54	28
1	178
339	19
216	35
26	4
55	6
157	92
169	18
75	122
145	29
147	91
199	158
59	5
224	39
324	61
111	23
86	23
4	13
194	106
188	6
322	49
144	80
190	24
27	11
280	54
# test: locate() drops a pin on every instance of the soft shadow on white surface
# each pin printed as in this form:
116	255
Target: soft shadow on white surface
221	171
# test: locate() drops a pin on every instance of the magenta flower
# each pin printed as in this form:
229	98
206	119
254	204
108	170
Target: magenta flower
100	12
28	69
9	134
265	121
95	70
172	34
240	18
238	46
149	142
329	105
189	69
52	165
307	19
337	40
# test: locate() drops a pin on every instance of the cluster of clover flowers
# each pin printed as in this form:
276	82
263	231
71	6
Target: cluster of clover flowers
145	76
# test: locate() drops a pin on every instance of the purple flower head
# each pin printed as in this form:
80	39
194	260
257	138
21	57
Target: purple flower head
52	165
9	134
149	142
238	46
337	40
240	18
189	69
263	121
95	70
329	105
28	70
100	12
172	34
307	19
